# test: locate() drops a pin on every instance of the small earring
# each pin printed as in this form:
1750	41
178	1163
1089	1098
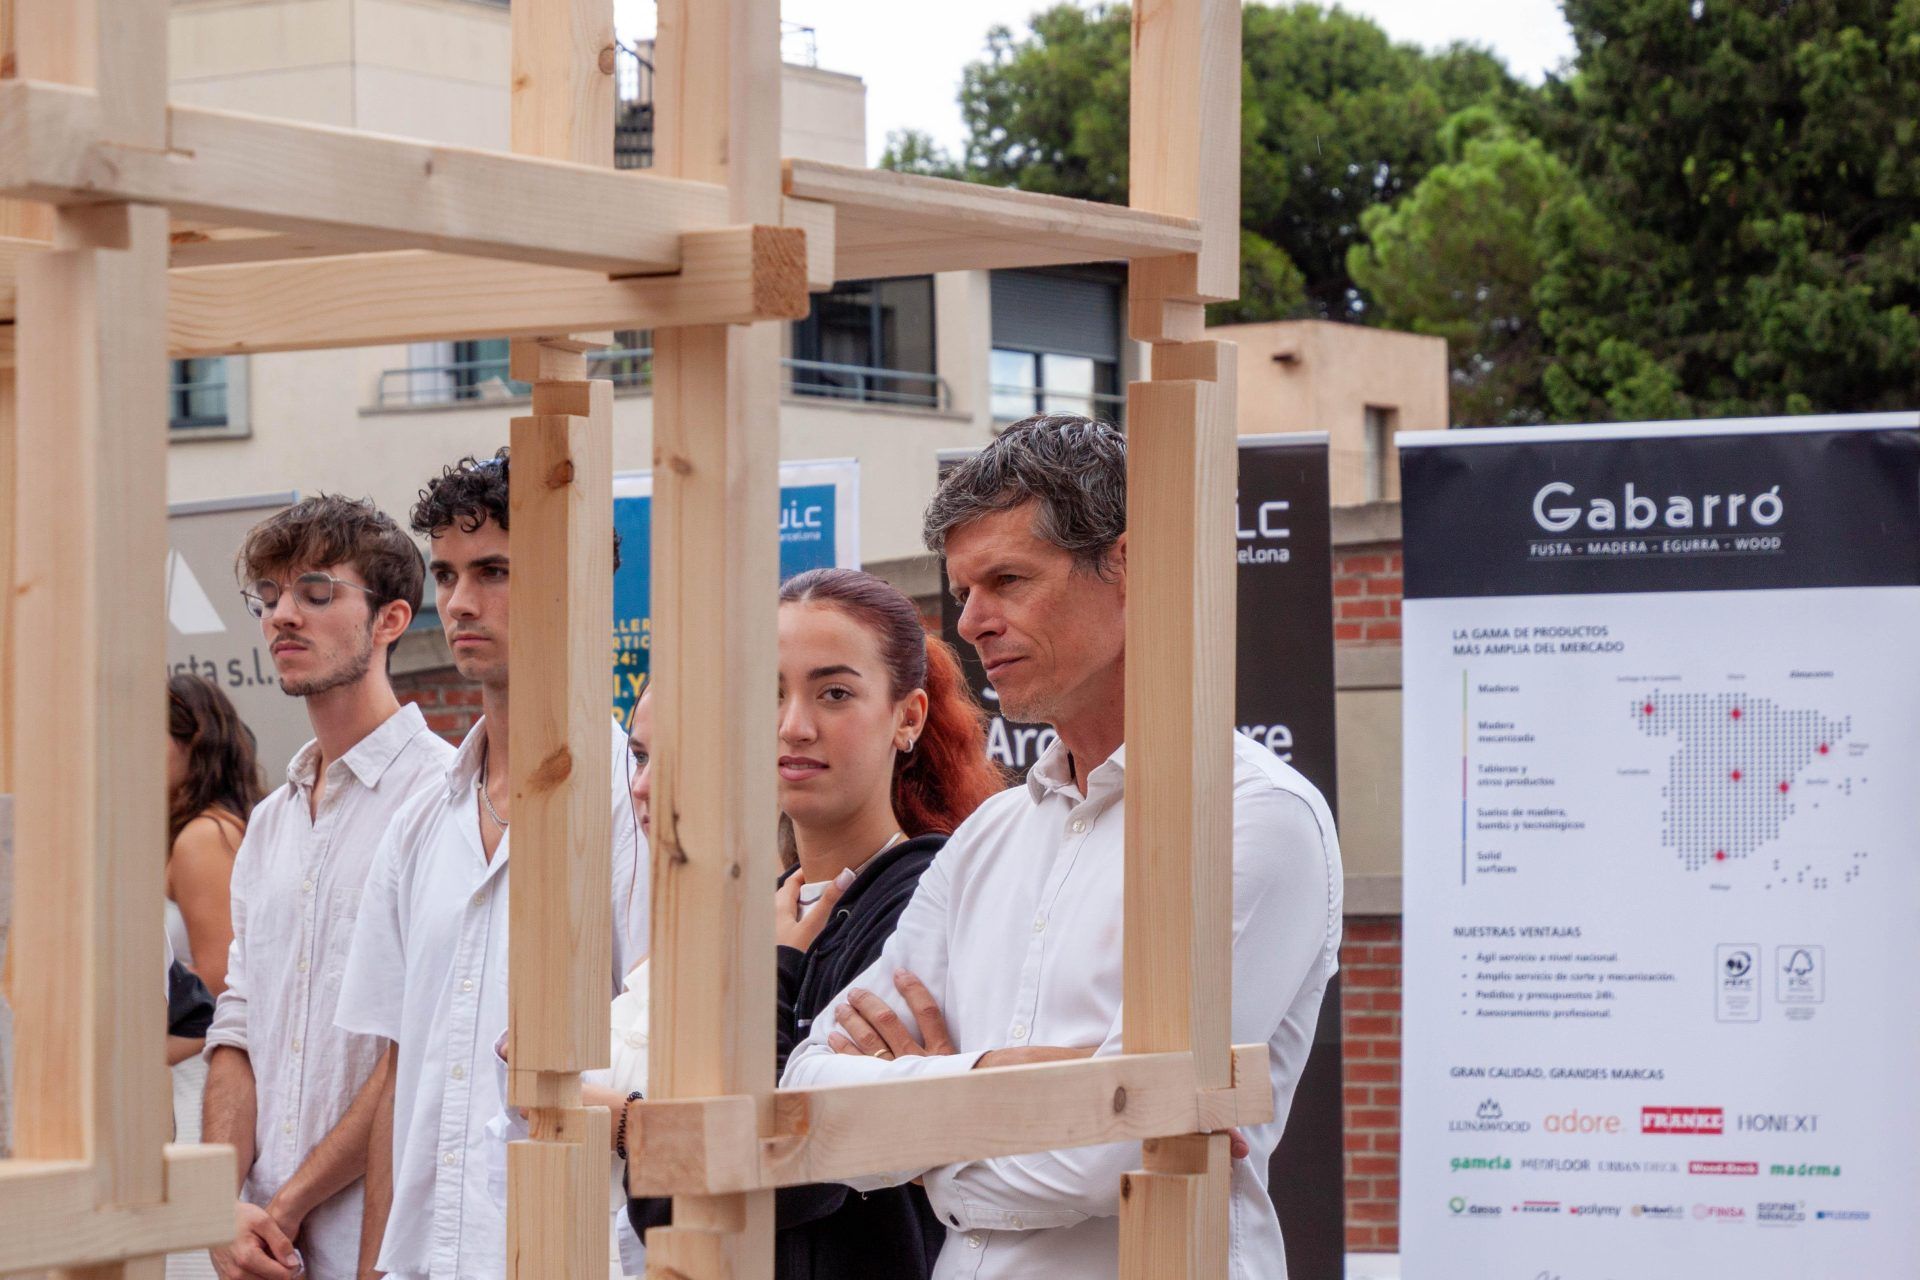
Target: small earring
908	749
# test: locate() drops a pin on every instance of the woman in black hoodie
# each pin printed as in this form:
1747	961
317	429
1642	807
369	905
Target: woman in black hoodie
882	754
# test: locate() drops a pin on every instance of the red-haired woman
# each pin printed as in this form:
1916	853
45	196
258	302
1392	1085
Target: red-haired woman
883	753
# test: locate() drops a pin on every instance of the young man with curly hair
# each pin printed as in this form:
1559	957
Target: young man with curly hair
428	969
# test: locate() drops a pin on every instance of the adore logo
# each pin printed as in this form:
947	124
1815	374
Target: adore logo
1690	1120
1578	1121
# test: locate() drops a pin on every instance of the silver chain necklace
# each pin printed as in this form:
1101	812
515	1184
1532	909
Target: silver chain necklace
485	799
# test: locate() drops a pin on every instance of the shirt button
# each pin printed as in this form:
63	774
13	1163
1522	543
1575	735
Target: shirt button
302	966
306	886
459	1073
466	984
1019	1031
296	1046
1016	1222
973	1242
449	1159
287	1128
1079	825
477	898
1040	924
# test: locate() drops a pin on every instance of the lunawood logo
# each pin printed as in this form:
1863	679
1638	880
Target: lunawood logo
1637	510
1720	1213
1804	1170
1489	1118
1841	1215
1462	1164
1724	1168
1693	1120
1659	1212
1780	1213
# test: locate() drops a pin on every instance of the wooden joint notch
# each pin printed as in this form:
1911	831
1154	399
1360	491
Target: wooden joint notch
773	259
50	1215
708	1145
1249	1100
1165	301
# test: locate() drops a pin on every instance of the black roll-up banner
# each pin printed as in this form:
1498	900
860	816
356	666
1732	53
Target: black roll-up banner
1284	700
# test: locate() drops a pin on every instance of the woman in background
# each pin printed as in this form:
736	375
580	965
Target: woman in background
213	783
882	753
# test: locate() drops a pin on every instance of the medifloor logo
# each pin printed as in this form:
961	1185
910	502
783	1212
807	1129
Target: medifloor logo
1689	1120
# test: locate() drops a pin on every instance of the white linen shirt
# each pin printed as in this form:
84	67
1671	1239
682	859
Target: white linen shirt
1016	931
296	890
428	971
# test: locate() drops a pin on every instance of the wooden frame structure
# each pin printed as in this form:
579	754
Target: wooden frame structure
386	240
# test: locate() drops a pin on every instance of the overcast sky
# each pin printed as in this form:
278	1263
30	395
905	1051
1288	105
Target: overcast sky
910	52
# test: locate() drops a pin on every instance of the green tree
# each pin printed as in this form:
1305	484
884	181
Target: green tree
1460	256
1335	119
1748	240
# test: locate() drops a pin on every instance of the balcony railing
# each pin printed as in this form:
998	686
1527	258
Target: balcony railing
480	381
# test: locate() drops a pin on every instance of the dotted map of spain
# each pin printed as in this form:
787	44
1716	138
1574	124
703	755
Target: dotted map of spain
1731	782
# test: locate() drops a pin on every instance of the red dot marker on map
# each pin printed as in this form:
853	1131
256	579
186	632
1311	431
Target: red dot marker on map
1823	748
1735	775
1735	713
1783	788
1719	855
1648	709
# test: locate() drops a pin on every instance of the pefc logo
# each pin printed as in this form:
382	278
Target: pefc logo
1639	511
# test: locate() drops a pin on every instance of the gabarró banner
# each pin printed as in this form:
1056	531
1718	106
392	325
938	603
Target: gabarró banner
1662	842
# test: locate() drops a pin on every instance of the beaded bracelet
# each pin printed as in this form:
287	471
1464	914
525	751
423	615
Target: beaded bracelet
620	1133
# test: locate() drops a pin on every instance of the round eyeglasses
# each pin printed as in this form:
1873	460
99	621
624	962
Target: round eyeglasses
311	591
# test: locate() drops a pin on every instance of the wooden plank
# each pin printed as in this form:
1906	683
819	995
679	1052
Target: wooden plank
893	224
733	275
562	1177
831	1134
563	82
198	245
1184	122
49	1216
89	732
715	548
356	189
560	929
1173	1215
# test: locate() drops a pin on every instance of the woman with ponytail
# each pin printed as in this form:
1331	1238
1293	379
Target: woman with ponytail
882	753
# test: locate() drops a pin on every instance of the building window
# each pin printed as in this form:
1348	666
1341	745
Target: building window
1380	426
458	372
869	340
1056	343
207	397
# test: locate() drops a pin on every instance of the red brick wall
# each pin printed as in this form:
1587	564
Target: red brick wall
1366	594
1370	1043
450	704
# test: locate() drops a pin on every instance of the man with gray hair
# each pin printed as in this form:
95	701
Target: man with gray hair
1010	950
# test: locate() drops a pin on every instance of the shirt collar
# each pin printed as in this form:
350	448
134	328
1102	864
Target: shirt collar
465	769
368	758
1050	774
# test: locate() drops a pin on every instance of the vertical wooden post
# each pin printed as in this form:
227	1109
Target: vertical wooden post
716	460
560	917
1184	157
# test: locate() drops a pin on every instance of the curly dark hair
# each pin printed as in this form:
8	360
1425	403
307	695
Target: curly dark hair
1073	468
222	772
469	493
328	529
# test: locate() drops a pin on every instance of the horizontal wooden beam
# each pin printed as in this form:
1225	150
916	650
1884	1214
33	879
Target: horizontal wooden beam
199	245
357	190
893	224
49	1218
712	1145
736	275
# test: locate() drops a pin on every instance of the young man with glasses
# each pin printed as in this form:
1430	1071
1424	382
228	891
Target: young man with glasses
428	969
334	583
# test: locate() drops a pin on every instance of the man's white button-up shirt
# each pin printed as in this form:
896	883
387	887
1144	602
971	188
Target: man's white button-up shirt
429	972
296	890
1016	928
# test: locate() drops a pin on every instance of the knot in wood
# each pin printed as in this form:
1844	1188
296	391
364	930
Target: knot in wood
1126	1186
607	63
679	465
553	771
562	474
1119	1099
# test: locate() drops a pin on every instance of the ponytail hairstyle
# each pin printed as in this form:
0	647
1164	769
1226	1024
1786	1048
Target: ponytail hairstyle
222	773
948	773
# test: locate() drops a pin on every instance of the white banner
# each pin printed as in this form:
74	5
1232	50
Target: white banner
1662	878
